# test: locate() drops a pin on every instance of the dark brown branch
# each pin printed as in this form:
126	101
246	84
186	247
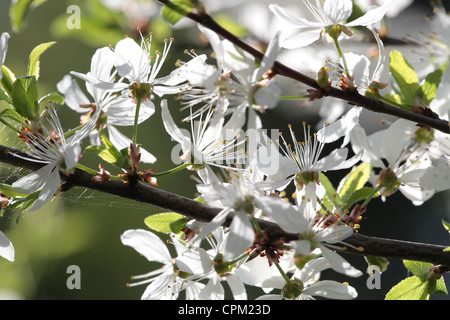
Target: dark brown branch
144	193
353	98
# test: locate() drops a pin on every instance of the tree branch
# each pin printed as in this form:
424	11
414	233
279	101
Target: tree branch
144	193
353	98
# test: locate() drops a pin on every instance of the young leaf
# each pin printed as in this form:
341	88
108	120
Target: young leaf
25	97
412	288
431	84
355	180
18	11
360	195
166	222
331	193
418	268
405	76
4	96
175	10
33	60
109	152
52	97
8	79
446	225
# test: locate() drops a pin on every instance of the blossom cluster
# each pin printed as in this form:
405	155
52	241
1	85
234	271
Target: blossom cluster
252	176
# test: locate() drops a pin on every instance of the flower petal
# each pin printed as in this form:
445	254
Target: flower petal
332	290
241	236
148	244
288	218
6	248
371	16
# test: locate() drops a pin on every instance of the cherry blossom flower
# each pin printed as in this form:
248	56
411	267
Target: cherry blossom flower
166	282
55	152
235	85
119	110
327	14
204	144
301	219
308	285
406	162
300	161
209	264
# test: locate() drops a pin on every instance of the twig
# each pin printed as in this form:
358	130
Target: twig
353	98
144	193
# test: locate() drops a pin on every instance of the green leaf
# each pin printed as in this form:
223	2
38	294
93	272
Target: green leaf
53	97
430	86
354	180
446	225
18	11
331	193
25	97
412	288
360	195
8	190
14	115
166	222
437	287
4	96
418	268
175	10
33	60
405	76
8	80
109	152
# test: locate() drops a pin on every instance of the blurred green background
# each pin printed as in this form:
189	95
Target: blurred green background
83	228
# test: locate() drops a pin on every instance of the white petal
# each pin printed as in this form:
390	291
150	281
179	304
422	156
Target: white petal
172	129
360	142
237	287
162	287
103	85
372	16
336	160
3	49
331	290
303	247
312	268
284	213
73	95
122	110
102	63
72	156
303	38
338	10
241	236
436	178
396	138
120	141
285	16
148	244
341	127
213	290
131	61
269	57
339	264
334	234
6	248
415	194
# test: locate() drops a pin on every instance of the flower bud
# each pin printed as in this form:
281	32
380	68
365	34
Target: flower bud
323	79
292	289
